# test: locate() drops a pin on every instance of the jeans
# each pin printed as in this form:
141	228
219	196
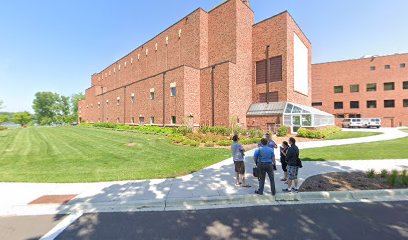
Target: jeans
266	168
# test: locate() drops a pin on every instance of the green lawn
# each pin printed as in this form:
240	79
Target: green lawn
391	149
354	134
76	154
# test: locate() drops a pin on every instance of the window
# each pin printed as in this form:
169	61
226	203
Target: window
402	65
117	120
354	104
173	120
340	115
338	89
355	116
152	93
132	97
389	103
371	104
405	103
405	85
372	68
173	90
317	104
275	70
338	105
272	97
118	101
371	87
151	120
387	67
133	119
107	102
388	86
354	88
141	120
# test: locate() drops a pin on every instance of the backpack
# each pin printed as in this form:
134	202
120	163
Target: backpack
298	161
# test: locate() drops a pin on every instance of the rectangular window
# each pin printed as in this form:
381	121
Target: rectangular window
338	89
173	120
317	104
132	97
371	104
340	115
402	65
372	68
118	101
338	105
151	120
275	70
355	116
117	120
151	95
354	88
141	120
173	91
272	97
387	67
354	104
405	85
389	103
133	119
371	87
261	72
388	86
405	103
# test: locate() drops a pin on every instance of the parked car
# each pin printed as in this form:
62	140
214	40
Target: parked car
371	122
352	123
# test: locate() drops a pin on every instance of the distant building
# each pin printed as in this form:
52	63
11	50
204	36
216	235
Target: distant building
212	68
373	86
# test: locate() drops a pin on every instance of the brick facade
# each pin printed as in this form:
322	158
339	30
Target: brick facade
210	57
370	70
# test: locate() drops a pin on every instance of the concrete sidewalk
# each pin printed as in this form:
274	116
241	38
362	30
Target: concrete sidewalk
214	181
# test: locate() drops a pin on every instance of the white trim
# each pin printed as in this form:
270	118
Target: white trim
57	230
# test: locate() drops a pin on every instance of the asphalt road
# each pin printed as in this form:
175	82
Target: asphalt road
311	221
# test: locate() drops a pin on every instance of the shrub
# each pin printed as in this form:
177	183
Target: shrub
371	173
392	179
224	143
182	130
194	143
383	173
216	130
405	180
282	131
255	133
177	138
86	125
404	173
186	142
209	144
317	133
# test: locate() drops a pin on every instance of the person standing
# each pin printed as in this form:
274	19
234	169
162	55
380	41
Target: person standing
272	144
238	157
292	159
283	152
264	158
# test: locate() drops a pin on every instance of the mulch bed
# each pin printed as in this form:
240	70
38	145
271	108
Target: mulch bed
344	181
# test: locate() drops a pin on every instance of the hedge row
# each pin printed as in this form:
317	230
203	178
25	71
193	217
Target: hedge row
317	133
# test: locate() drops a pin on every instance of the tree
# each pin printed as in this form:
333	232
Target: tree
1	104
3	118
75	98
22	118
44	106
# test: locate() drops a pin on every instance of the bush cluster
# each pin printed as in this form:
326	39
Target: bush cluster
394	178
282	131
317	133
2	128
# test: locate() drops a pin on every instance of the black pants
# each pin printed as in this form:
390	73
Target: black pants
266	168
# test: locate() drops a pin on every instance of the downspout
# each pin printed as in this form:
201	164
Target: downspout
164	100
267	73
124	105
103	106
212	96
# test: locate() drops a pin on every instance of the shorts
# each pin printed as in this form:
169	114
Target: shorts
284	165
293	172
239	167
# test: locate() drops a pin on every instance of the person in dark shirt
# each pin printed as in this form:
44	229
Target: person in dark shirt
264	158
292	157
283	152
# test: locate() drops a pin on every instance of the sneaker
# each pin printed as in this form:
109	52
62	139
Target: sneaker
257	192
295	190
285	190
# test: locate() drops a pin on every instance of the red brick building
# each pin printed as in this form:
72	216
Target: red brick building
369	87
210	68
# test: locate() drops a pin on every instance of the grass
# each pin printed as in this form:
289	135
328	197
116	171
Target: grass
391	149
350	134
74	154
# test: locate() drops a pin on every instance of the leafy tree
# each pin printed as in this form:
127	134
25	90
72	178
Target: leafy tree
75	98
3	118
22	118
44	106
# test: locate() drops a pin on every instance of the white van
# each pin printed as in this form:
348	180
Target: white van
371	122
352	123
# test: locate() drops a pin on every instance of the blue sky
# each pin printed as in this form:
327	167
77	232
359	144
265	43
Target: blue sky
49	45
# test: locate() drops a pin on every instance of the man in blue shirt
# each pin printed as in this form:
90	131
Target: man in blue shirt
265	159
272	144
